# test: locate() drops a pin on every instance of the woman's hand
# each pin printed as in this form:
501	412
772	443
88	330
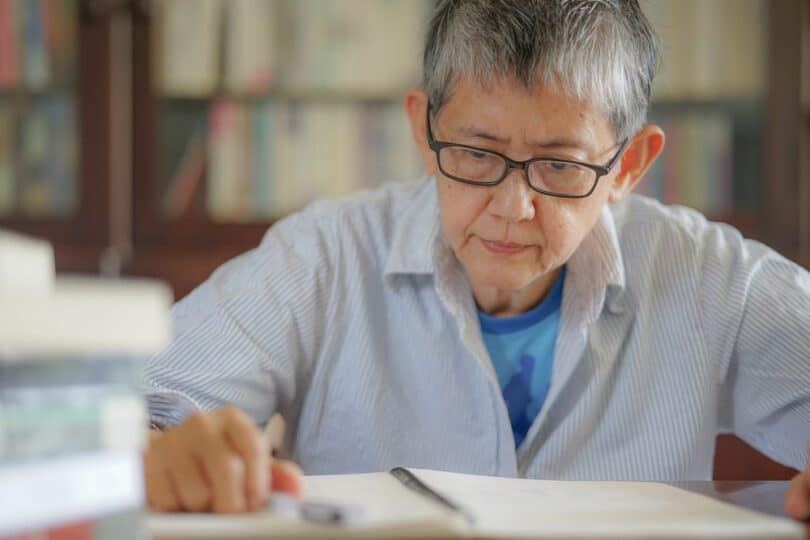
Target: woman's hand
214	462
797	499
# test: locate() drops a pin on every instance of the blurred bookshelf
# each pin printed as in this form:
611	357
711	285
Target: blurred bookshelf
710	99
55	133
185	129
254	108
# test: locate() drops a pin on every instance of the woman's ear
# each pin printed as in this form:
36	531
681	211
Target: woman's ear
642	150
416	102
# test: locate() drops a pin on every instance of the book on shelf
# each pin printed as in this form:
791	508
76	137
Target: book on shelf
451	505
229	161
62	35
61	165
711	49
269	158
695	168
36	62
34	189
187	39
251	46
38	42
9	43
188	174
355	47
47	140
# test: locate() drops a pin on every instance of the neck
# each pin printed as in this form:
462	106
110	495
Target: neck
497	302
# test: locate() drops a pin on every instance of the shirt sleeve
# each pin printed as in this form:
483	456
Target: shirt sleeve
757	306
247	336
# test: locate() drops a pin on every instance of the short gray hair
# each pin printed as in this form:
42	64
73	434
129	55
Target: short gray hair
600	50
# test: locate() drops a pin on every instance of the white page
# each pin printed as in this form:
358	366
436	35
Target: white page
380	506
503	507
510	507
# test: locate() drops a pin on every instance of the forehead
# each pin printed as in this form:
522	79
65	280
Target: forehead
508	108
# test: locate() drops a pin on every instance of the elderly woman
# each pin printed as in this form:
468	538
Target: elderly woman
517	313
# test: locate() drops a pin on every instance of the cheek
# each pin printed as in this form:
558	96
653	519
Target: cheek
460	207
565	223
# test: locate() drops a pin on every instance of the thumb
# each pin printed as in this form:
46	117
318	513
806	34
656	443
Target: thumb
286	476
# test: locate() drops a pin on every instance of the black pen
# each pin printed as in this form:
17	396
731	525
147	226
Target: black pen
409	480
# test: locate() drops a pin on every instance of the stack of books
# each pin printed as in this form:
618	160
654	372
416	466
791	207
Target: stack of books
73	422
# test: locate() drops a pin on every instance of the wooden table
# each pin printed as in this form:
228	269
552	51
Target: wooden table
765	497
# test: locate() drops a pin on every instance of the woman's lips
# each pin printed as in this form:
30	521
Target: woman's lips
503	248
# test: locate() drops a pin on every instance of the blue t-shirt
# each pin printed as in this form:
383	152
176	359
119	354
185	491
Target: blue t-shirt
522	352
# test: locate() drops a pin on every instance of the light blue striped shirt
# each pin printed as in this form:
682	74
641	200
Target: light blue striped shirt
354	319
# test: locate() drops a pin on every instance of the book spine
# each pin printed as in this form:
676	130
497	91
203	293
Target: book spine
35	194
189	174
36	65
60	166
259	171
9	44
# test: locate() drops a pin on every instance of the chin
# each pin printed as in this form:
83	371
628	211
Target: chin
505	278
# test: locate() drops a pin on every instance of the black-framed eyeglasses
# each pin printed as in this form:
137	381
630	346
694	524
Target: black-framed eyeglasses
549	176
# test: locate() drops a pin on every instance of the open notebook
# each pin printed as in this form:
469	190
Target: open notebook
381	506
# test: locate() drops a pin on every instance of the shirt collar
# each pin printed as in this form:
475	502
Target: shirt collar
596	267
416	235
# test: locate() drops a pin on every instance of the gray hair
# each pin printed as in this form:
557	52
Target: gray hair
600	50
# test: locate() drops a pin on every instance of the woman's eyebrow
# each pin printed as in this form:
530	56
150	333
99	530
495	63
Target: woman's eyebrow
478	133
556	143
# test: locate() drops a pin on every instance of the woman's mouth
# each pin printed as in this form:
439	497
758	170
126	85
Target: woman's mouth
504	248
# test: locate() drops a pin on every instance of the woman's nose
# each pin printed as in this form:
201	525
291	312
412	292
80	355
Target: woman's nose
513	199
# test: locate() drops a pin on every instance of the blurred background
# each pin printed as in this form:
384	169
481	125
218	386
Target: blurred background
160	138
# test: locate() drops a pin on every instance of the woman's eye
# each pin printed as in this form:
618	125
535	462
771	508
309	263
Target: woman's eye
477	155
557	166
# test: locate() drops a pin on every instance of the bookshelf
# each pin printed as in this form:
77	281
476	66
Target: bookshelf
285	102
62	187
710	98
140	195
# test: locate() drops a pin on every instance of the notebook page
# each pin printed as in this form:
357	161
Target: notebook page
509	507
380	508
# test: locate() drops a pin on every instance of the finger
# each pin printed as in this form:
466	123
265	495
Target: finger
797	499
246	440
287	477
160	494
189	481
225	472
